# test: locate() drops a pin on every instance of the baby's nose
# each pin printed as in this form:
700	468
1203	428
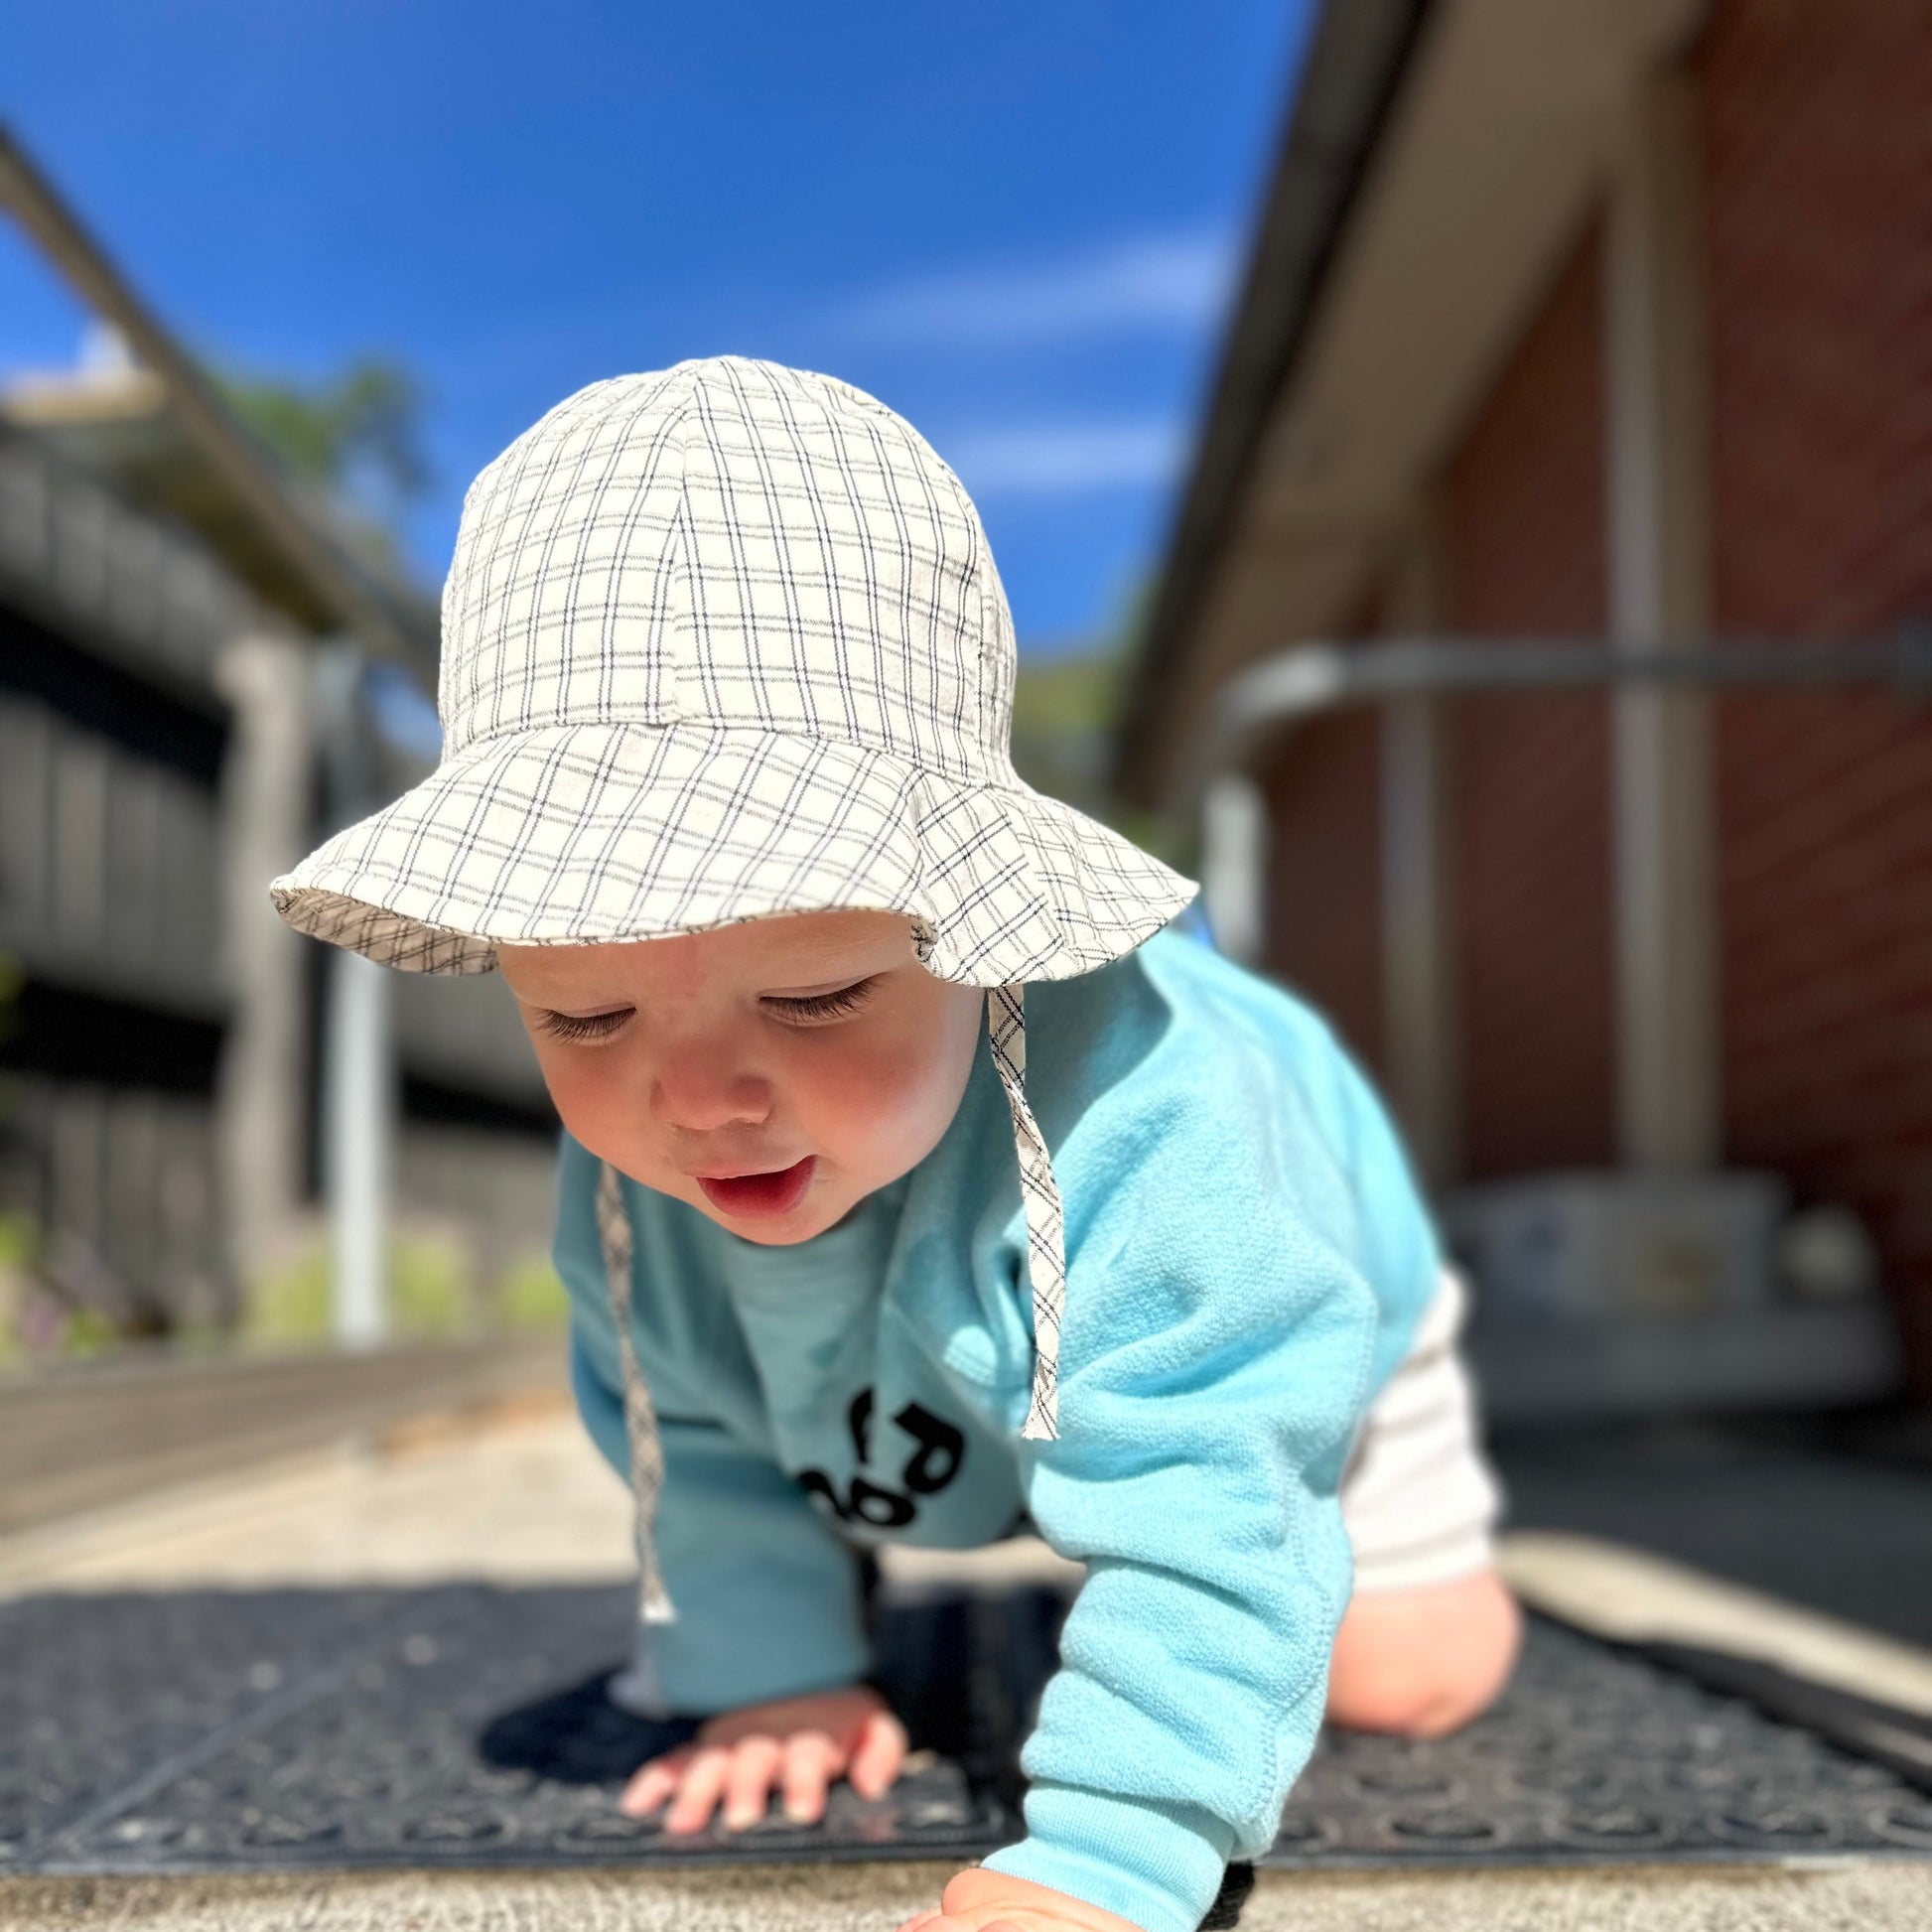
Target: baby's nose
700	1093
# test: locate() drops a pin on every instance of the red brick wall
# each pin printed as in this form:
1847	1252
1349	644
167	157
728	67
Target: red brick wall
1324	935
1817	131
1528	821
1815	124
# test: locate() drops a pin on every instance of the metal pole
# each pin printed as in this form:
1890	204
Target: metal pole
1235	865
361	1105
1317	677
358	1082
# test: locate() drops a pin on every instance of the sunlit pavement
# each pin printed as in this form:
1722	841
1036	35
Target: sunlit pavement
505	1488
1832	1513
847	1898
81	1438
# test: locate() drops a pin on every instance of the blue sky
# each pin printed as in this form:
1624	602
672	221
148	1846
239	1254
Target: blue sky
1015	224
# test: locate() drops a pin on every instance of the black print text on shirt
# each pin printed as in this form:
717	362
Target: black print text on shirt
938	1451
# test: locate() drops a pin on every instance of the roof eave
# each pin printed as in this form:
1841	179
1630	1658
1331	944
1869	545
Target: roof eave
1358	56
342	592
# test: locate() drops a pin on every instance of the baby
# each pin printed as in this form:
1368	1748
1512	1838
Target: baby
918	1181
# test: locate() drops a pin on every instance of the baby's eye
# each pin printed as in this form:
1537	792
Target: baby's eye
596	1026
823	1006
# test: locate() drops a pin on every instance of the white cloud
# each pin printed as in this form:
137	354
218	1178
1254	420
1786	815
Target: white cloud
1071	458
1155	281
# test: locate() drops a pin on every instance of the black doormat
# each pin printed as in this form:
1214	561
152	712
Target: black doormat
467	1726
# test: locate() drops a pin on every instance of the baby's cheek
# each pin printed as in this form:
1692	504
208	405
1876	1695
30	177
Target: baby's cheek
879	1101
592	1107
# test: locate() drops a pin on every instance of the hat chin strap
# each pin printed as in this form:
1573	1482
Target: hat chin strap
639	1416
1006	1028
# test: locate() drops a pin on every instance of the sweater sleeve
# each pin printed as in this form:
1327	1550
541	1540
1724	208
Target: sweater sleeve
767	1594
1214	1354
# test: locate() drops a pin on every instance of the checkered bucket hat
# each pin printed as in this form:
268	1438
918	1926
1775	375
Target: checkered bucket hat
722	642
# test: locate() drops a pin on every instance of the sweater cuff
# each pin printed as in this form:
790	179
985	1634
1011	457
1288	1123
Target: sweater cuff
702	1677
1157	1865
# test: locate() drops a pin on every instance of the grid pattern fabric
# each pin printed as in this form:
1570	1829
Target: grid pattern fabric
646	1446
720	642
1006	1026
565	834
736	541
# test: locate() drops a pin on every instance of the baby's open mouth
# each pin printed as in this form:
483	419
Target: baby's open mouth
777	1193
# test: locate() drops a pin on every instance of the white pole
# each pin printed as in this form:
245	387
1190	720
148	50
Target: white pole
362	1103
1235	865
1417	1009
1658	545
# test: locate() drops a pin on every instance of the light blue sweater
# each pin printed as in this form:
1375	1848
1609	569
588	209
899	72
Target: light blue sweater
1247	1257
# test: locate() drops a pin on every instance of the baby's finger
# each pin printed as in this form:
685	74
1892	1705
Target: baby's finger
808	1769
650	1784
691	1809
748	1787
880	1756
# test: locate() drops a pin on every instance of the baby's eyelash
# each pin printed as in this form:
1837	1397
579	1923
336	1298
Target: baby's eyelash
826	1006
816	1005
596	1026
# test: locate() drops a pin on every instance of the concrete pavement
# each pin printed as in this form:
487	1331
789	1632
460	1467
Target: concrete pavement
875	1898
507	1487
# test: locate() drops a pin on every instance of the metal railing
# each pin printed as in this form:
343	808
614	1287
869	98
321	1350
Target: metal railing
1316	678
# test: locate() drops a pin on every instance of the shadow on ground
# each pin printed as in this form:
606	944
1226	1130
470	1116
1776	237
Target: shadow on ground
467	1726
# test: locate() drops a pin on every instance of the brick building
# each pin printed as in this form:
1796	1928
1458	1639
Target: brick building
1609	323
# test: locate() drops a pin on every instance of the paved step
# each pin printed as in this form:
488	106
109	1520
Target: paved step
91	1435
875	1898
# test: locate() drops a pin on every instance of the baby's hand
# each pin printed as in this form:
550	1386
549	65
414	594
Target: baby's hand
799	1745
978	1900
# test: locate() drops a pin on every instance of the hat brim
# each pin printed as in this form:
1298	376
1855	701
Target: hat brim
576	834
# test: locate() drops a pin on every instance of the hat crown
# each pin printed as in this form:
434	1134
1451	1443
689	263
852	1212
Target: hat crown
731	543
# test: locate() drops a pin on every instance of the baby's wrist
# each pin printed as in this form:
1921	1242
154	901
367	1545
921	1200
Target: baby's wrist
834	1707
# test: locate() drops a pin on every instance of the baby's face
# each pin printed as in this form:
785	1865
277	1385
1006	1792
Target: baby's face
772	1073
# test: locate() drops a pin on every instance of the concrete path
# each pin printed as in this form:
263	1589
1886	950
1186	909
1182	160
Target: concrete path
506	1490
505	1486
83	1437
1843	1534
850	1898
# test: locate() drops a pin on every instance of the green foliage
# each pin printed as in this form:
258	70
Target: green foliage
288	1307
1065	717
20	1239
88	1331
357	433
430	1289
18	1249
531	1299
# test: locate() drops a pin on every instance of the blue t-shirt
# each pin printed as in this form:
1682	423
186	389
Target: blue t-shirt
1247	1255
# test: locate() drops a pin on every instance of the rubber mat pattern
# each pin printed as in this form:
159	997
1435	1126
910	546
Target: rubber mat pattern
469	1725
